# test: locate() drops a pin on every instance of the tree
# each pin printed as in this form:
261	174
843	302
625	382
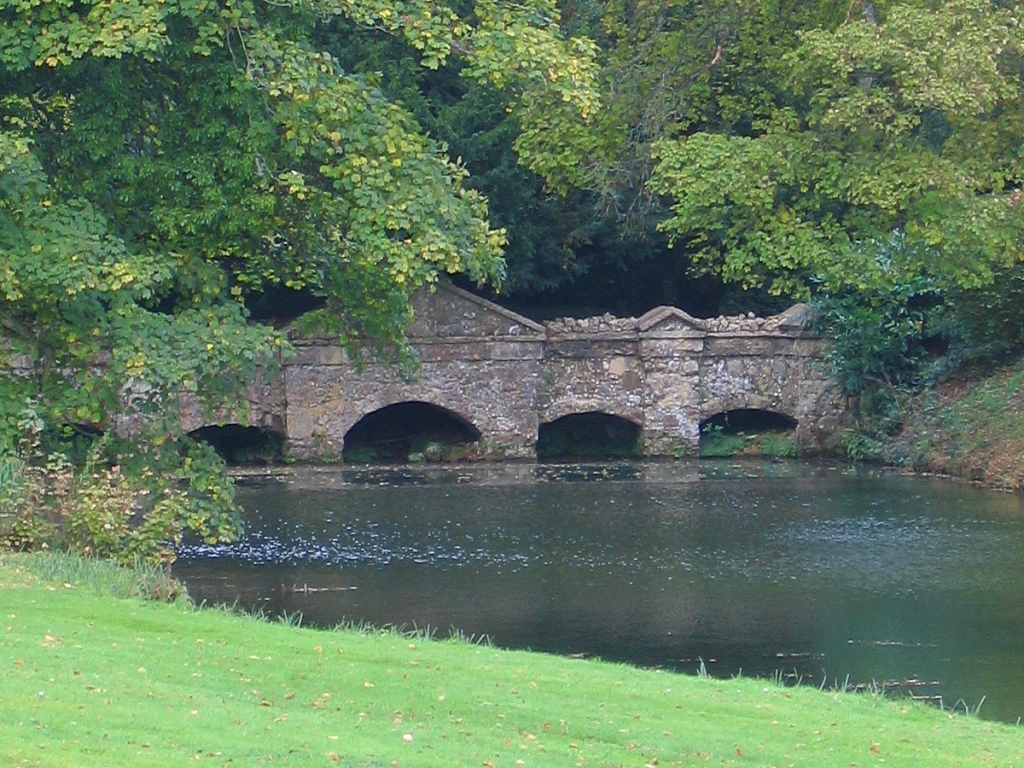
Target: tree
902	124
669	68
475	123
164	164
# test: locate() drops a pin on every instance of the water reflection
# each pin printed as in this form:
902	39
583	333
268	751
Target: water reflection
814	569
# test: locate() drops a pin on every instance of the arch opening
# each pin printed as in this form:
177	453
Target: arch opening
748	432
75	440
591	435
410	431
242	445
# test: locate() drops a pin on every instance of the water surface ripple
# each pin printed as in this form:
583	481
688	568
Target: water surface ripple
816	570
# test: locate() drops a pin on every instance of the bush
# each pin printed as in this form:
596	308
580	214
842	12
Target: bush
985	325
879	354
127	503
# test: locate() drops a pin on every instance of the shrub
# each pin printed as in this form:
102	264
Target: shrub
126	503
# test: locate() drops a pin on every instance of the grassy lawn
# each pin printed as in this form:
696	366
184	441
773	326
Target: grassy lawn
87	679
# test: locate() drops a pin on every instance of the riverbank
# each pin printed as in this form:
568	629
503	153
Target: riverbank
969	427
93	680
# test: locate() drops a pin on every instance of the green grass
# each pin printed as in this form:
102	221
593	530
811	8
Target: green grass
778	446
721	446
103	577
91	680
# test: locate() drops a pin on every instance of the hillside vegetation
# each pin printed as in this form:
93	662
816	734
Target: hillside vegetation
970	427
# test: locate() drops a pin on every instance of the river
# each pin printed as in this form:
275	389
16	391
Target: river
821	572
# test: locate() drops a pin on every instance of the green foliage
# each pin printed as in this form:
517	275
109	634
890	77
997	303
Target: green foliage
778	446
10	475
26	531
543	229
969	426
877	336
198	155
905	124
986	325
129	503
141	508
672	68
716	444
22	527
163	166
893	350
878	355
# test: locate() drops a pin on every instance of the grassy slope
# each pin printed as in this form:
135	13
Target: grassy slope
971	428
90	680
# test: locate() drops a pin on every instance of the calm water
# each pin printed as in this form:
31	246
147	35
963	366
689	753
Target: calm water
825	572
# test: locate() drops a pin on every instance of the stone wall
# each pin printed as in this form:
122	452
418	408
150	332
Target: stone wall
478	361
668	372
505	375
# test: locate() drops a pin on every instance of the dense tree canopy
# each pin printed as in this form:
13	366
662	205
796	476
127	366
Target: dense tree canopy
164	166
170	169
892	153
163	162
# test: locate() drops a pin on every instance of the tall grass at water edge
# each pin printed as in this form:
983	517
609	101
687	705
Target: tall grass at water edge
144	581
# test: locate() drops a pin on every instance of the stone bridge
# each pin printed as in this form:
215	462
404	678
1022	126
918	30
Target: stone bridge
502	376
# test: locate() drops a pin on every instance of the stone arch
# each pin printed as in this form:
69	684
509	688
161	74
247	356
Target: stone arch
747	401
572	406
241	443
407	430
748	431
589	434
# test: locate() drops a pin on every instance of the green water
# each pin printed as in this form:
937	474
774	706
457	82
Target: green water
818	571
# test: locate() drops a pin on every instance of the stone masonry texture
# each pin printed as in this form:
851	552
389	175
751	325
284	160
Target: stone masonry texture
504	375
